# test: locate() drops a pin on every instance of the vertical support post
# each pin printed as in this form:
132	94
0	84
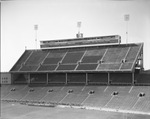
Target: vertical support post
132	78
86	83
29	80
47	78
66	78
108	78
142	63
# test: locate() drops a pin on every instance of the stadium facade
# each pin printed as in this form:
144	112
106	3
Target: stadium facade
81	73
100	60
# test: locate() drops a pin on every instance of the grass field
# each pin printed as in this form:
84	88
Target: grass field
18	111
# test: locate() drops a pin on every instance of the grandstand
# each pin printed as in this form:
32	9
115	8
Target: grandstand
83	65
96	75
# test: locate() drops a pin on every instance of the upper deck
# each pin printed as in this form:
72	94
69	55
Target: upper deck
106	58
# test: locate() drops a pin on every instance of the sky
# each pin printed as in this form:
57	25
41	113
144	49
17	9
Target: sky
57	19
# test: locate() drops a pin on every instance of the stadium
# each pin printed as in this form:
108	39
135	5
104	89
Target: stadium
85	75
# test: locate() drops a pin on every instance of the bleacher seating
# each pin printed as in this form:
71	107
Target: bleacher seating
76	76
87	67
102	58
71	96
19	93
21	60
29	68
127	97
143	105
131	56
91	59
126	66
72	57
35	95
54	57
93	56
24	57
138	89
51	67
58	96
36	58
98	99
116	102
109	67
115	54
5	90
129	102
49	95
67	67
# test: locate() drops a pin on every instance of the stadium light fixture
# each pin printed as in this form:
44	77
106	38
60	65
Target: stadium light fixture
36	28
126	18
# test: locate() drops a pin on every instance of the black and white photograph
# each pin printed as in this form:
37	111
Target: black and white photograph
75	59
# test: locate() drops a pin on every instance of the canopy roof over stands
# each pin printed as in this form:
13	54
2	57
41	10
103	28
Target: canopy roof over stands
112	58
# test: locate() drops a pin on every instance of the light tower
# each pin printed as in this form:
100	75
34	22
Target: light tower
126	18
36	28
79	35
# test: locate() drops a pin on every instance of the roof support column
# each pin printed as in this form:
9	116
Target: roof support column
66	79
133	78
86	83
108	78
47	78
29	80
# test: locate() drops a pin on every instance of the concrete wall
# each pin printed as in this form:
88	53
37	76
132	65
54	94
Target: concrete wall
5	78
